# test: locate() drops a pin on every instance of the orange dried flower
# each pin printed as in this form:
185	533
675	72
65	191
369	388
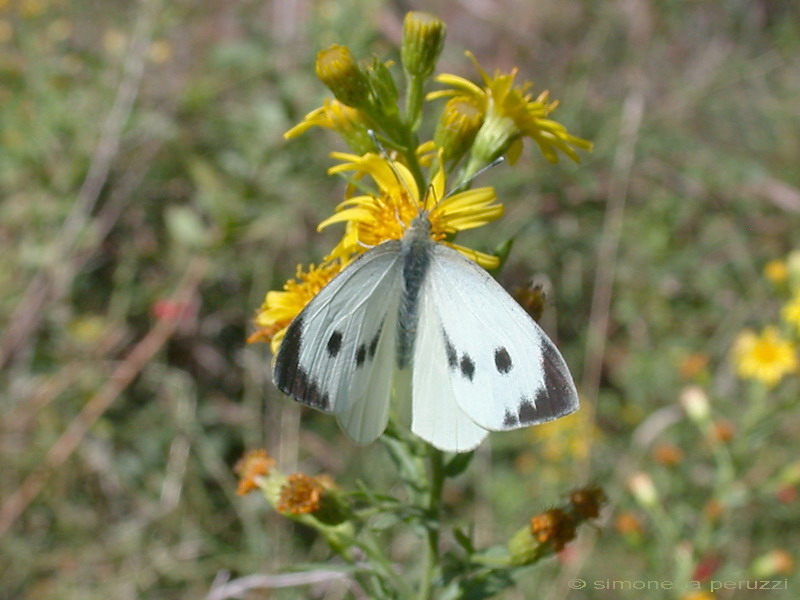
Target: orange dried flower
692	365
587	501
627	523
554	526
668	454
722	431
300	494
254	464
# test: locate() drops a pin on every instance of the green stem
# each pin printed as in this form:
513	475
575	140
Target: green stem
434	509
414	98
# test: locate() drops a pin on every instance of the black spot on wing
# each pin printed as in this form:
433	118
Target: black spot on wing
467	367
287	362
452	355
334	344
361	354
526	411
510	419
502	360
373	345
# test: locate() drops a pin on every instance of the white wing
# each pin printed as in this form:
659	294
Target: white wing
338	354
500	368
436	415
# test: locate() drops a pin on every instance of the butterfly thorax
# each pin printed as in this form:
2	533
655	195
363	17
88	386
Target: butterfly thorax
416	248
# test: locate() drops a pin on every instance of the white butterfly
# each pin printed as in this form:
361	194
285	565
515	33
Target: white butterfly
416	313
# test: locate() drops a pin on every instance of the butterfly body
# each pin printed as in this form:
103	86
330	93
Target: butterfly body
415	318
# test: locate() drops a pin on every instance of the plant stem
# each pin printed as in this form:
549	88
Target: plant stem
434	509
414	98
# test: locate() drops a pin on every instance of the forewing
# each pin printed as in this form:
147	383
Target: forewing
504	371
338	353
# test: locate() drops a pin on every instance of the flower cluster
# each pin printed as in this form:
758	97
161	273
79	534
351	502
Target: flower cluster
772	354
554	528
389	188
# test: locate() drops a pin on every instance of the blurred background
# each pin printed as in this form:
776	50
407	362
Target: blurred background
149	202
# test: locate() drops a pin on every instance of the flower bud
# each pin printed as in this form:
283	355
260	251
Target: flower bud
338	70
695	403
423	39
643	489
458	125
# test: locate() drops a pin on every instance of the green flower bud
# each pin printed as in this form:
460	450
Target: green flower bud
423	39
338	70
459	123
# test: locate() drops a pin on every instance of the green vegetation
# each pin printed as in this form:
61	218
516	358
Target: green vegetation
149	202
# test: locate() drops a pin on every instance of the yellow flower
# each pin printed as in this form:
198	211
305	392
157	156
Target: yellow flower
511	113
281	307
791	311
776	271
386	213
766	357
348	122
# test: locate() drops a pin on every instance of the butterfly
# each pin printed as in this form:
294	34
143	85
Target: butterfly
415	319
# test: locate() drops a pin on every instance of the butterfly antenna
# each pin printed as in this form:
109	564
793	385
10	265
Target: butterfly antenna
474	176
385	155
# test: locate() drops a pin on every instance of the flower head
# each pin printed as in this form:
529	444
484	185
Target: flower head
586	502
511	114
777	271
338	70
766	357
791	312
386	213
250	468
281	307
555	526
300	494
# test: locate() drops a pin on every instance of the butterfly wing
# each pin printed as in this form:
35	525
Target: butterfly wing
502	371
436	415
338	353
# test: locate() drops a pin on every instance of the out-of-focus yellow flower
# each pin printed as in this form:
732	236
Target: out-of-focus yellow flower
791	312
767	357
386	214
776	271
160	51
511	114
567	438
281	307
